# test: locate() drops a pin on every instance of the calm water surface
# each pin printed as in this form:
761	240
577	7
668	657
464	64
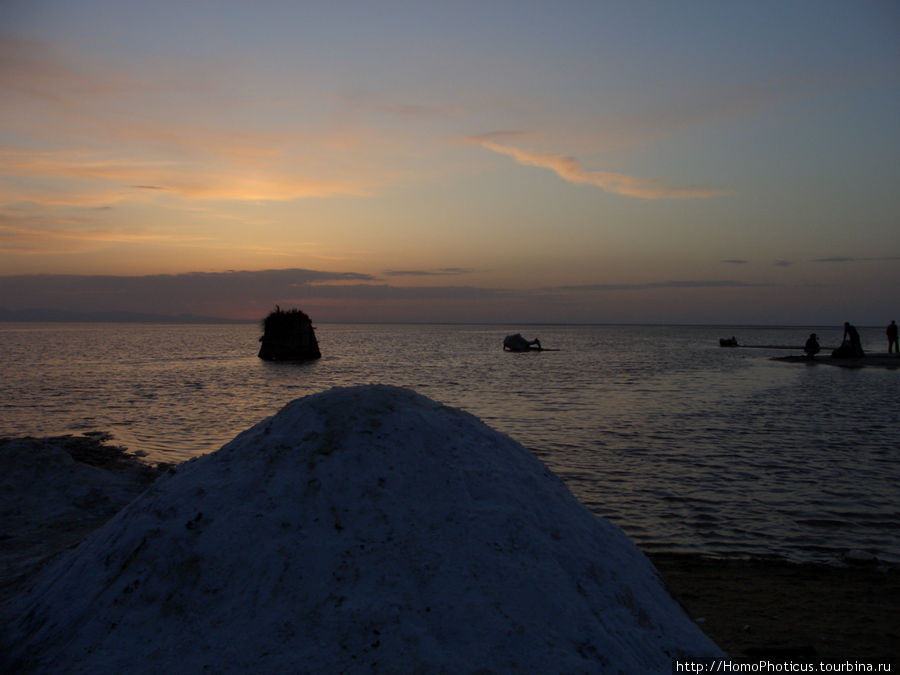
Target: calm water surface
685	445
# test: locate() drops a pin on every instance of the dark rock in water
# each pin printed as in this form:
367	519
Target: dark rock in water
517	343
288	336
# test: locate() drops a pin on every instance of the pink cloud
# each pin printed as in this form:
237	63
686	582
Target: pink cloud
571	170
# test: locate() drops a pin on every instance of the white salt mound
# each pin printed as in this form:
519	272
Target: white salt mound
358	529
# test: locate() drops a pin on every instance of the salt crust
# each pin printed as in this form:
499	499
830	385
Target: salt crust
361	528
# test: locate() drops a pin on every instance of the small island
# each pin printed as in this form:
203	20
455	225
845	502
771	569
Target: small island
288	336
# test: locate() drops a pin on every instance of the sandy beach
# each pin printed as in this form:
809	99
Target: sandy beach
770	609
873	360
753	609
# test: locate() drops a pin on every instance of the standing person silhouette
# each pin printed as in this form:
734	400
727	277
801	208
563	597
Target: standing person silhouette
891	331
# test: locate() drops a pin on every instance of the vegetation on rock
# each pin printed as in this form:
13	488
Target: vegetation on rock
288	335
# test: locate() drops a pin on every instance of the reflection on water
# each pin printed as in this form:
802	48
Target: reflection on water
684	444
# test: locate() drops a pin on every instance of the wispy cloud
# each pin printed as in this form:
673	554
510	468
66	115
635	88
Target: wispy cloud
104	132
99	180
735	261
849	259
227	294
381	292
443	272
166	293
571	170
663	284
327	295
38	235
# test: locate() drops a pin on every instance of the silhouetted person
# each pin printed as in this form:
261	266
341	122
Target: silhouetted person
891	331
812	345
851	335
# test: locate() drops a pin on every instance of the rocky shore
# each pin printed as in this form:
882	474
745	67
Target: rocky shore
56	490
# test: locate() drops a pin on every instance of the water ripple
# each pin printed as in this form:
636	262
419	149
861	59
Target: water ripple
688	447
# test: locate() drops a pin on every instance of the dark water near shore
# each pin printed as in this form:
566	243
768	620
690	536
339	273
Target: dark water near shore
687	446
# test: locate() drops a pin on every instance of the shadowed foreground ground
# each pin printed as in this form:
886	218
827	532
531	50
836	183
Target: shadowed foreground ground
771	609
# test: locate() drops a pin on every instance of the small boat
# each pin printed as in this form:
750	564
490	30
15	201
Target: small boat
516	343
728	342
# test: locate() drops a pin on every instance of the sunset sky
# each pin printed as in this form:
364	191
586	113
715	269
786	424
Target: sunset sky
571	161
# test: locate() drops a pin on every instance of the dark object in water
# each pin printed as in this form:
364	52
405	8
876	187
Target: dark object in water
728	342
848	350
516	343
288	336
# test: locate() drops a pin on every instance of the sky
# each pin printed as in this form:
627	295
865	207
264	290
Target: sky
566	161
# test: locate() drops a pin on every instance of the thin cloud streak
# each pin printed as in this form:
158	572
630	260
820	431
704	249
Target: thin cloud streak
37	235
166	293
232	294
848	259
243	293
181	179
569	169
69	102
384	292
663	284
446	271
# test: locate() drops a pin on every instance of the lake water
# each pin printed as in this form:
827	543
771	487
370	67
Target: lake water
687	446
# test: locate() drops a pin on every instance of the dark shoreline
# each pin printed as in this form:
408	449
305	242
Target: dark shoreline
775	609
752	608
874	360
